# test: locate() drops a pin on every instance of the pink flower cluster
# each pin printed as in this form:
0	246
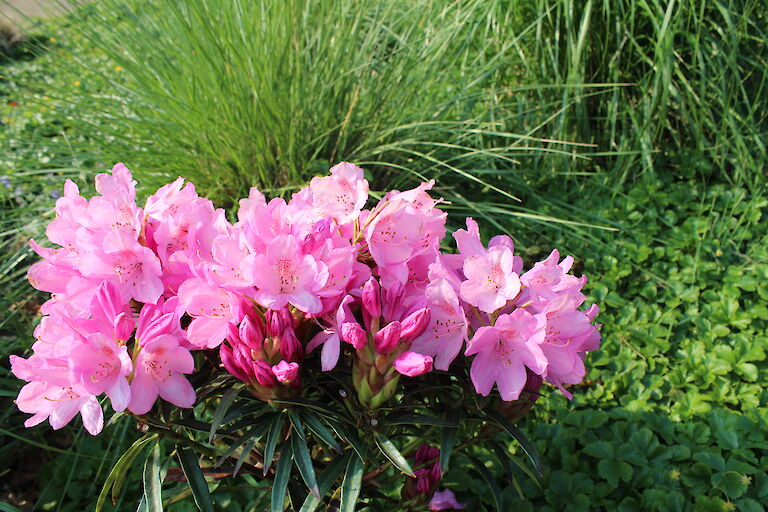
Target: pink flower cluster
136	290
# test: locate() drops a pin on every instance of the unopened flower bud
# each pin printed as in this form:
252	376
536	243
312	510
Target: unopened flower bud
233	334
228	360
264	374
290	346
414	325
251	333
393	300
387	339
372	298
412	364
285	372
354	334
278	321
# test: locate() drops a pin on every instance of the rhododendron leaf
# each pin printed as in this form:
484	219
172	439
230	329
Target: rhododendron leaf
251	441
298	427
506	458
195	480
525	444
153	497
274	435
350	489
313	423
447	440
307	403
303	460
282	476
487	476
418	419
393	454
120	468
350	436
221	409
257	432
325	481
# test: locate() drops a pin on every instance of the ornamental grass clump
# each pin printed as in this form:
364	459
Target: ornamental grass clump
313	332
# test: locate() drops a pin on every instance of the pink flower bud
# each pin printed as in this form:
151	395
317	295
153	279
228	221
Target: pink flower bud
290	346
251	333
393	301
387	339
285	371
264	374
278	321
233	334
228	360
412	364
371	298
354	334
414	325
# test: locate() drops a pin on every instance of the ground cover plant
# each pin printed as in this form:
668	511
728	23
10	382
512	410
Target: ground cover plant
678	168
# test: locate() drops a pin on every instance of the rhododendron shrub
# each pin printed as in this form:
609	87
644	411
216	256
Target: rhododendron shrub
327	331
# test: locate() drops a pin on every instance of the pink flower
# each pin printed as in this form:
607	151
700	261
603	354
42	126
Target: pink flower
158	370
445	500
412	364
285	372
284	275
132	268
330	337
447	329
102	366
548	279
505	350
341	195
403	225
491	281
212	309
59	404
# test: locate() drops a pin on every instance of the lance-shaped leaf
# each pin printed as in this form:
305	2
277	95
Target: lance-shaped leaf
490	480
526	445
393	454
116	476
218	415
302	458
153	497
259	429
418	419
447	441
195	479
313	423
506	458
353	480
325	481
349	434
275	431
282	476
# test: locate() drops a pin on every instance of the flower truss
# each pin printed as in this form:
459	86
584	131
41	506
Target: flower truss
312	332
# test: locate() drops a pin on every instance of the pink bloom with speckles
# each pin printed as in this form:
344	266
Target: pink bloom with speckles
157	371
211	309
286	275
504	350
491	280
59	404
101	365
447	327
341	195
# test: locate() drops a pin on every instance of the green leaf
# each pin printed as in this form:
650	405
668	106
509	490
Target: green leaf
447	441
275	431
733	484
393	454
244	454
116	476
508	458
526	445
195	479
353	480
7	507
325	435
303	460
218	415
282	476
311	404
418	419
351	437
260	428
141	508
153	496
298	427
325	481
486	474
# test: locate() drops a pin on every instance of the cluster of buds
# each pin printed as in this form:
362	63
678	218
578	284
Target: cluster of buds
264	354
383	345
422	487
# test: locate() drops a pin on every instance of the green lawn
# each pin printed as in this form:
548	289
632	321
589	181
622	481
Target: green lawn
630	134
